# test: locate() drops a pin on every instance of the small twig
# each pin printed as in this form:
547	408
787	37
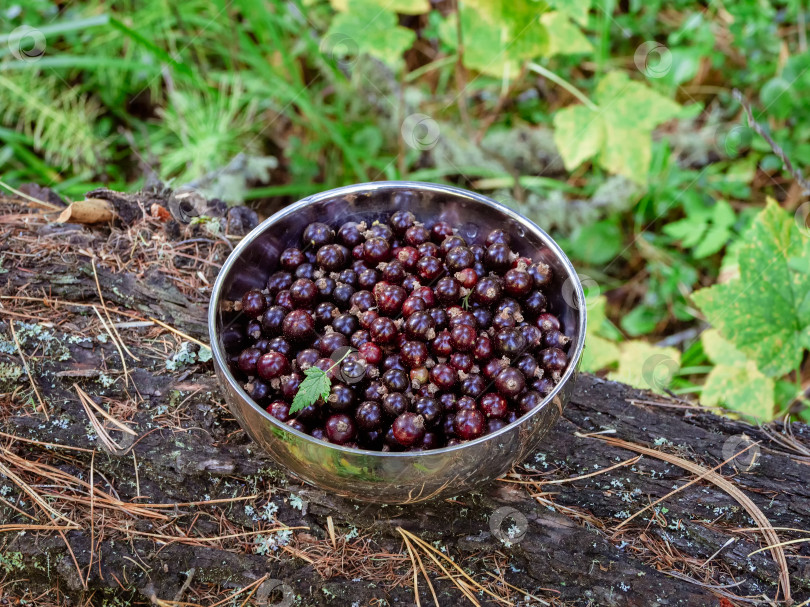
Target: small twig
189	576
28	370
777	149
31	198
536	67
115	343
178	332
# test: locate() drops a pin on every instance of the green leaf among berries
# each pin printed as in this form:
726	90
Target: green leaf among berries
316	386
765	311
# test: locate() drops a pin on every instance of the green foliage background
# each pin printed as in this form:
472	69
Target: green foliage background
611	126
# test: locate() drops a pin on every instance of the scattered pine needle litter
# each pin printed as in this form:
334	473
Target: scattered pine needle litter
703	473
28	370
89	404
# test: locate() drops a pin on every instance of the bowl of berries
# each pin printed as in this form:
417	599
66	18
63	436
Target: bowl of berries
395	342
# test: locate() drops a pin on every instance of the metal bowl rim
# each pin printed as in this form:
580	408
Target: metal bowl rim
362	188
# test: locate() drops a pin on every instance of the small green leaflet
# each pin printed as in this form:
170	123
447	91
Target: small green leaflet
619	134
765	311
735	381
705	230
316	385
365	28
406	7
576	9
565	38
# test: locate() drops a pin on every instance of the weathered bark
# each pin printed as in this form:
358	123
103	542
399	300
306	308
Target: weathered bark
189	449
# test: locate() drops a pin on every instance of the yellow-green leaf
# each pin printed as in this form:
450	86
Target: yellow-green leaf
575	9
405	7
565	38
765	311
578	134
599	352
735	381
646	366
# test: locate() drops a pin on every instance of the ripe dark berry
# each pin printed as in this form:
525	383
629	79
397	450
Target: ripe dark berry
400	221
280	345
548	322
483	317
555	339
339	428
408	257
527	365
363	300
284	299
419	325
396	380
495	424
254	329
375	391
463	337
497	236
431	440
413	354
348	277
447	290
442	344
429	409
383	330
413	304
317	234
350	235
466	402
541	274
444	376
390	298
272	365
278	282
450	243
517	283
368	278
325	313
419	377
303	292
331	342
510	382
469	424
510	342
394	272
346	324
305	270
459	258
395	404
448	424
331	257
371	353
381	230
428	249
306	358
553	360
375	250
298	326
429	268
439	317
535	302
483	349
248	359
448	402
497	257
253	303
533	335
529	400
487	291
473	386
441	230
280	410
426	293
461	361
369	415
544	385
258	390
291	258
493	405
342	295
409	429
416	235
289	385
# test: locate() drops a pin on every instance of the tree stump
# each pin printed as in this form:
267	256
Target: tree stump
184	510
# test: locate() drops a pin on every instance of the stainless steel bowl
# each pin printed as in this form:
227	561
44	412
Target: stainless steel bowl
370	475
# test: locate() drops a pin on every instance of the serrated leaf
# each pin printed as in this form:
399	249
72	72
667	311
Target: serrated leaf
565	38
315	386
735	381
646	366
763	311
373	31
628	112
576	9
499	36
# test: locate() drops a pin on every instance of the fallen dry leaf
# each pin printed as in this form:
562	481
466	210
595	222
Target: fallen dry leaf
90	210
